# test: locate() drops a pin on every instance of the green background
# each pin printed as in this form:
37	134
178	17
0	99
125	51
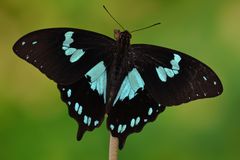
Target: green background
34	123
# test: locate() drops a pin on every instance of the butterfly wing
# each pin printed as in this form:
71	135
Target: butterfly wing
157	77
133	107
64	54
172	77
84	105
129	116
77	60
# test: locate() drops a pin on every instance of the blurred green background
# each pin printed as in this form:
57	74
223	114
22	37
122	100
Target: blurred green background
34	123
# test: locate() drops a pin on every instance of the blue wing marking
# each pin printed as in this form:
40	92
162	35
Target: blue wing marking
98	79
75	53
68	40
163	73
130	85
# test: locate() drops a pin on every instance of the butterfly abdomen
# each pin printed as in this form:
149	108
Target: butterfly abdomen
116	74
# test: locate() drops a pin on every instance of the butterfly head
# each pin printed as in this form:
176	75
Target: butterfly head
122	37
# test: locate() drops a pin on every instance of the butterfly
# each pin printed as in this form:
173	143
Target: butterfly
132	84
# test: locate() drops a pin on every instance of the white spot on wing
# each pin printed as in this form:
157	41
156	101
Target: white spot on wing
80	110
34	42
85	120
123	128
96	123
119	128
89	121
76	107
137	121
132	123
69	92
150	111
111	126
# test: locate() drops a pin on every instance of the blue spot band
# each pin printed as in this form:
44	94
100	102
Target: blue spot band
130	85
98	79
75	53
163	73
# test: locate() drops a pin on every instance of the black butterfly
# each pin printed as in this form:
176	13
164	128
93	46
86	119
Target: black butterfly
132	84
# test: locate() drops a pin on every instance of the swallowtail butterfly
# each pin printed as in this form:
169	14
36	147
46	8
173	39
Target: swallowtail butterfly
132	84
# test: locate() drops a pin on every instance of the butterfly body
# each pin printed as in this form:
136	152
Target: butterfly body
132	84
119	66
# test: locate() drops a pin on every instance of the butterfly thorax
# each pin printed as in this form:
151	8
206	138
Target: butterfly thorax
122	38
119	66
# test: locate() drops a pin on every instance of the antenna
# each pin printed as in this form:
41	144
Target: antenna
145	27
113	17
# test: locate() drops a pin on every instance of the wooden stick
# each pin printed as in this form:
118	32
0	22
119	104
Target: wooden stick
113	148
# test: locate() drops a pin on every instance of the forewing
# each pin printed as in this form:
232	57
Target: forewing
172	77
77	60
64	54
